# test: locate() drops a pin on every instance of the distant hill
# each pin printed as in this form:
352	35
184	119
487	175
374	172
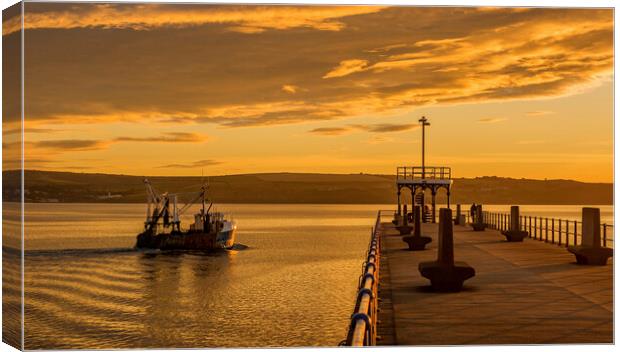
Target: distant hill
48	186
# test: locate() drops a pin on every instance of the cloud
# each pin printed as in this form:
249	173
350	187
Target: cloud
31	130
389	127
347	67
350	61
242	19
331	131
380	140
491	120
539	113
76	168
288	88
72	144
61	145
171	137
374	128
199	163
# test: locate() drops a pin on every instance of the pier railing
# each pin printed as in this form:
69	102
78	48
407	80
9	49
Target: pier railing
562	232
428	172
468	218
362	330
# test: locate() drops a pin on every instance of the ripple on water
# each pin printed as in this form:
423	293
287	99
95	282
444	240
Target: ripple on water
295	280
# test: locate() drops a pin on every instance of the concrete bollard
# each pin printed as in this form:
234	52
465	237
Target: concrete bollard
397	215
445	274
397	219
404	227
417	242
590	251
514	234
478	223
457	219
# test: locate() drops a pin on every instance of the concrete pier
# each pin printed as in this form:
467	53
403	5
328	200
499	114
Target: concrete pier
528	292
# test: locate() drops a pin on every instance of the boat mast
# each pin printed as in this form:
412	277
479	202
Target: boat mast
203	200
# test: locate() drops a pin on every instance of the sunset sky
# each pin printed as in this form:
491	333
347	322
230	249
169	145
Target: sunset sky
177	89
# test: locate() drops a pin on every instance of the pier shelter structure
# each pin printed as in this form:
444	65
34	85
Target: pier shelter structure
420	178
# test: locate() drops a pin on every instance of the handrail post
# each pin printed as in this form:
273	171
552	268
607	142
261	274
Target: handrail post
604	235
567	230
552	230
575	233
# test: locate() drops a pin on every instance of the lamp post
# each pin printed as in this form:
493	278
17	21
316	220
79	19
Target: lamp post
424	123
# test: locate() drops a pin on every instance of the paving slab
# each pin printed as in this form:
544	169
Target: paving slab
527	292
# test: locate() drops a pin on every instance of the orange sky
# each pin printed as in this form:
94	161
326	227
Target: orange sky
177	89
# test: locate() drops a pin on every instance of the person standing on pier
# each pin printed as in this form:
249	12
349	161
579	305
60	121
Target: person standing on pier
472	211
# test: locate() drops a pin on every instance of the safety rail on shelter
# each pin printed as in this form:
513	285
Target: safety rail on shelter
427	172
558	231
362	330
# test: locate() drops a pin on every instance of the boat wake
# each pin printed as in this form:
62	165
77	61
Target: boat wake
76	251
103	251
239	247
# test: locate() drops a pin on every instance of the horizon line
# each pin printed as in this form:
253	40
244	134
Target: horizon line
299	173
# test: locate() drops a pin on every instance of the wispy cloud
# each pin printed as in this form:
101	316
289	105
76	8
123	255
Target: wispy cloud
77	168
289	88
347	67
373	128
242	19
539	113
380	140
331	131
194	164
72	144
171	137
388	127
491	120
94	144
33	130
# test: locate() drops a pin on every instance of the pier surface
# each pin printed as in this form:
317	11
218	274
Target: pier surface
527	292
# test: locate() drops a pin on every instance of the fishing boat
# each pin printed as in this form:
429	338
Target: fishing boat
162	228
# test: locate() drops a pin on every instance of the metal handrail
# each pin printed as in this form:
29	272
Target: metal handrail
552	230
426	172
362	329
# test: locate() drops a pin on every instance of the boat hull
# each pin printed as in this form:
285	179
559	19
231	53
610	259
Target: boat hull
226	236
187	240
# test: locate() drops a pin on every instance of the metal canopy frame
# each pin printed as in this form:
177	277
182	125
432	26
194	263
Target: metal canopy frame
420	178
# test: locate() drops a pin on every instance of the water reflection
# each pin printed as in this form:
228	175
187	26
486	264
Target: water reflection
120	298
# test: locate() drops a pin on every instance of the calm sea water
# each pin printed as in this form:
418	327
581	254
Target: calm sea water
290	282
